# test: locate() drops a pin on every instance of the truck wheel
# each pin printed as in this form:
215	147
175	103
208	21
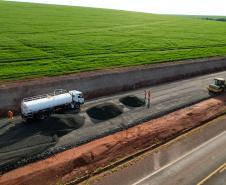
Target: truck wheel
42	115
77	106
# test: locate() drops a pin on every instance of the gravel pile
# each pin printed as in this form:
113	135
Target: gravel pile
104	111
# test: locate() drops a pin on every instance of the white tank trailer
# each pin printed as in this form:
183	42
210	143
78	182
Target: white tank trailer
41	106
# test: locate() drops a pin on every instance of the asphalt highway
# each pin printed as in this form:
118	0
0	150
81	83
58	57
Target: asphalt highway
192	167
21	143
218	177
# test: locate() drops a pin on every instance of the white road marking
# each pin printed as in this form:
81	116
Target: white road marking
179	159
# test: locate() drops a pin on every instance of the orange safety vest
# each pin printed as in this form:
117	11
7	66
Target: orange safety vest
10	114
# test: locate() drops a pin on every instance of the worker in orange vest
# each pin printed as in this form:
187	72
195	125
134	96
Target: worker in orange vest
10	115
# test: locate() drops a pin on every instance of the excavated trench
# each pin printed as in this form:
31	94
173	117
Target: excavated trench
104	111
132	101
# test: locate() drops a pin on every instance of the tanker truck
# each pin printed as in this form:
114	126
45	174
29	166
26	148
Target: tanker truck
42	106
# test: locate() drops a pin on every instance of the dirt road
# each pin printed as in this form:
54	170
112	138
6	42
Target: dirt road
20	143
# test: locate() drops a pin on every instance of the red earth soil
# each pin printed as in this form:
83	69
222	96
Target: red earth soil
85	159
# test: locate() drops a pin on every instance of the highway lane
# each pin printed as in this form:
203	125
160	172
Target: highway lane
192	167
217	177
19	141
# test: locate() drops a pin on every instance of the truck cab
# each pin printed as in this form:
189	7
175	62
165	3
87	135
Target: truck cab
77	97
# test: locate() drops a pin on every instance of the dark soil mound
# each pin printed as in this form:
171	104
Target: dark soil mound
132	101
56	123
72	121
104	111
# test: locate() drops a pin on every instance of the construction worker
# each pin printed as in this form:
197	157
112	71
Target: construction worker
149	98
10	115
145	96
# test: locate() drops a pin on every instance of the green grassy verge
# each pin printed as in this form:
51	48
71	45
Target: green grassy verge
46	40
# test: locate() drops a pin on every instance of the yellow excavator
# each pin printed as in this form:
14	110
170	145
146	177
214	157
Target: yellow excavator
217	87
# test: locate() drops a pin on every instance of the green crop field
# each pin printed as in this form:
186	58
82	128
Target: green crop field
46	40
